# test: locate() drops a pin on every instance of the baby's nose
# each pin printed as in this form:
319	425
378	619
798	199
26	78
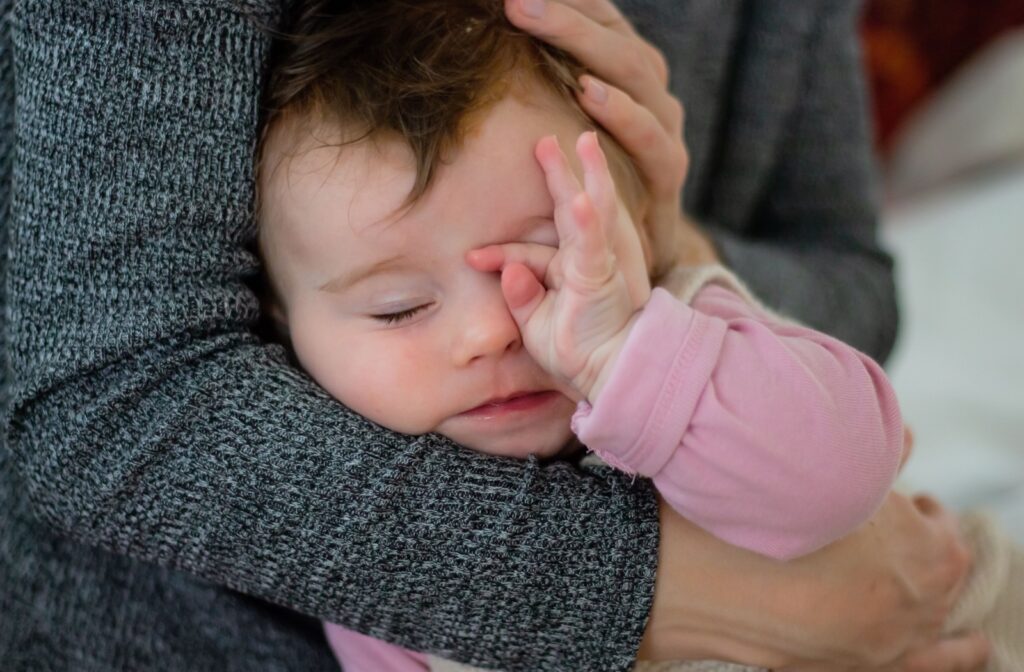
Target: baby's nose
487	329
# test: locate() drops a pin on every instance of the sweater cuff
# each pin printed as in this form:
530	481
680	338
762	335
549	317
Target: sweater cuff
653	390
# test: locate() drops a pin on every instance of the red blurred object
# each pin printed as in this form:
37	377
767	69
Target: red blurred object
912	46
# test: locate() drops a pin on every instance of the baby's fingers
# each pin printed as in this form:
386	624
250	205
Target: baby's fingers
534	256
590	263
523	293
597	179
562	183
580	226
657	149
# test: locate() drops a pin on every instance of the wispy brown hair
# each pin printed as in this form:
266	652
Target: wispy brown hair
418	70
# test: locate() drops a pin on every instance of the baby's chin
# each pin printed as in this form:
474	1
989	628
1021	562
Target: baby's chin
541	428
540	442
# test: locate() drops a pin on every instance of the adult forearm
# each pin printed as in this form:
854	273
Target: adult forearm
210	458
146	418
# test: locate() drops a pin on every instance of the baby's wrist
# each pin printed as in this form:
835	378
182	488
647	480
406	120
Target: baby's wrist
591	386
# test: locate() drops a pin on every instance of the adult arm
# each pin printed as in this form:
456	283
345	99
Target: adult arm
145	418
812	250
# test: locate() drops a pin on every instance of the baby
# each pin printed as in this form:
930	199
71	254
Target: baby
438	264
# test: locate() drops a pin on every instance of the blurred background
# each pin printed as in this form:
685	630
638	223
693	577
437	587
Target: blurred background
947	82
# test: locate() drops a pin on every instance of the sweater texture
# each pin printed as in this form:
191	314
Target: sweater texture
771	436
175	496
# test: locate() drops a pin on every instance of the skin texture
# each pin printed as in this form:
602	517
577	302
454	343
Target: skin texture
694	611
692	615
329	214
575	305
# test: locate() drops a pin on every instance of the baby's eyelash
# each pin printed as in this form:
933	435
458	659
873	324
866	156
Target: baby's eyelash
392	318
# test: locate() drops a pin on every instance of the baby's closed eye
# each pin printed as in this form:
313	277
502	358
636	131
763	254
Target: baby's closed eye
401	315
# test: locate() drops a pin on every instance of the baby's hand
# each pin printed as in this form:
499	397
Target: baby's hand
575	304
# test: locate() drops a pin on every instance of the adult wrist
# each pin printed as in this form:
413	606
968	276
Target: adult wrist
715	601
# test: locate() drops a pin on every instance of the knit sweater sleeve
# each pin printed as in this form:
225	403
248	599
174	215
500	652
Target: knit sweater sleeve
811	250
146	418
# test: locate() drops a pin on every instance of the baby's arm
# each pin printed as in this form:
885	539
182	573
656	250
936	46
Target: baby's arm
771	436
361	653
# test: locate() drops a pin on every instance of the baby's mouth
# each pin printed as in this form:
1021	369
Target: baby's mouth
517	402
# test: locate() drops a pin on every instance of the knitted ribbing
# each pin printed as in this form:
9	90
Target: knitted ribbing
149	422
992	601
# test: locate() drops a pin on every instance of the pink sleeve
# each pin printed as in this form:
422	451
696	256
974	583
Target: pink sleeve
359	653
771	436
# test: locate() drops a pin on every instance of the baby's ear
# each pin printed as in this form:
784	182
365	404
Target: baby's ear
275	316
273	322
275	313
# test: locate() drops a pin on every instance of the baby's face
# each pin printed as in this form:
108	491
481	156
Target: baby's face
383	310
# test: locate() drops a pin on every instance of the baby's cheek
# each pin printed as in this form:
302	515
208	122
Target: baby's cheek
394	387
388	385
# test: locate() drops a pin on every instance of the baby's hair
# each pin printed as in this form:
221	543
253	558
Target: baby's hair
420	71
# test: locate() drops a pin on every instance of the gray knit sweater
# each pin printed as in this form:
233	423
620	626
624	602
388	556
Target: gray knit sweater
174	496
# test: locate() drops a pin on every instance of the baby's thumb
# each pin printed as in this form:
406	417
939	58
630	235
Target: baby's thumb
523	292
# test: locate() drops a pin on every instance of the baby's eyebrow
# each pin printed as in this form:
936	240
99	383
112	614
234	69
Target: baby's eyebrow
348	278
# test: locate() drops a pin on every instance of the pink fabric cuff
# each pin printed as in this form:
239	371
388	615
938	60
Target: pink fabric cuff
636	428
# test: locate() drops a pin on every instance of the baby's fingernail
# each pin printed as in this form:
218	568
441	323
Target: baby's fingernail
534	8
595	90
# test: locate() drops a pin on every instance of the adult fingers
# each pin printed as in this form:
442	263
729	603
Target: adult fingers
659	154
966	653
614	55
908	446
603	12
608	15
950	569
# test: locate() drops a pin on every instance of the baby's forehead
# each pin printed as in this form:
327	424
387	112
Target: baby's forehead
322	167
308	152
527	105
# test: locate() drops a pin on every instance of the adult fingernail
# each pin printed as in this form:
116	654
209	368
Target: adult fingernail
595	90
533	8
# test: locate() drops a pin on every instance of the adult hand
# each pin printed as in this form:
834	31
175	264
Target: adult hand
627	93
908	446
875	600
